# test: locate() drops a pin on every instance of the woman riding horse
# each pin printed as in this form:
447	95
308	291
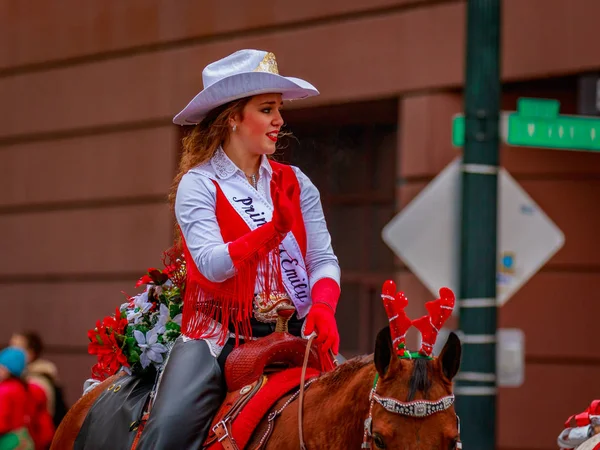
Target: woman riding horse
394	399
253	235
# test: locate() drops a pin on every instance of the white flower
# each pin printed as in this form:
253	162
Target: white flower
177	319
164	317
151	350
142	302
141	306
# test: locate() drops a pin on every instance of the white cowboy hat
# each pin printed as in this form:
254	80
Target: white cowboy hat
241	74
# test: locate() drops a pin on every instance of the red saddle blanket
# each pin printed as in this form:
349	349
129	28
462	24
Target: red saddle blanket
243	410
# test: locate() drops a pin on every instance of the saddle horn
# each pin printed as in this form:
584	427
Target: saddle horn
284	313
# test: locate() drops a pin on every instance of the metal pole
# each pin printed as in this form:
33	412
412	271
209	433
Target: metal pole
476	383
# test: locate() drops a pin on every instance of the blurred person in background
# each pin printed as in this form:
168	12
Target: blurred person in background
41	372
24	419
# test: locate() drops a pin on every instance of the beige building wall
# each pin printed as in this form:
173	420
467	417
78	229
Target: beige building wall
87	92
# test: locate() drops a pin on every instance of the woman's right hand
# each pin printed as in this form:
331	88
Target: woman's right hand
283	214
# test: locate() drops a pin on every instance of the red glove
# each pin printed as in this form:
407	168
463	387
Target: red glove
254	244
268	236
283	214
321	317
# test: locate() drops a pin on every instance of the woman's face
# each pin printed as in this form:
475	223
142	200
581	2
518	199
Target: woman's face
257	131
20	341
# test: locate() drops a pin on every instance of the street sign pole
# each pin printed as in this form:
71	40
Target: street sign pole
476	383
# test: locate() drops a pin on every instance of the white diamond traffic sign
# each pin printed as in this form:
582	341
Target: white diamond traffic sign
426	234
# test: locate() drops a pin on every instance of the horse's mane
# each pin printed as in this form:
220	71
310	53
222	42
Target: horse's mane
341	375
419	380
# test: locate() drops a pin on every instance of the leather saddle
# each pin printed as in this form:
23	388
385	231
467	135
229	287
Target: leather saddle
251	366
277	351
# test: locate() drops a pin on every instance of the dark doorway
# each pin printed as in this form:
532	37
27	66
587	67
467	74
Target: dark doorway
349	153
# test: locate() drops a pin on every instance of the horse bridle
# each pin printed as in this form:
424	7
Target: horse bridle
416	409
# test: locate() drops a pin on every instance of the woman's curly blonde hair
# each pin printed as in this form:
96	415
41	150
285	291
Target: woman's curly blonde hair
203	141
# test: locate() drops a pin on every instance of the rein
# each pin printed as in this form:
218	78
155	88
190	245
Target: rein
301	399
302	382
298	395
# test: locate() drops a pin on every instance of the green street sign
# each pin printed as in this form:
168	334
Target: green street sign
458	130
537	123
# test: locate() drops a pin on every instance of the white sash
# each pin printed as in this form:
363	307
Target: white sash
256	210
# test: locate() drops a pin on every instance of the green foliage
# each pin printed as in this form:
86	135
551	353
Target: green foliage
161	295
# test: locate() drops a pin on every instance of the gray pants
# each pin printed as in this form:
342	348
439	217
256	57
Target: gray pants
190	393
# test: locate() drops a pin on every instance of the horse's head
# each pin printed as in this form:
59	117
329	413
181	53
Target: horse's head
403	421
412	405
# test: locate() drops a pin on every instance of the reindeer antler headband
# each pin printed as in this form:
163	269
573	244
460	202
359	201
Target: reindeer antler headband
429	325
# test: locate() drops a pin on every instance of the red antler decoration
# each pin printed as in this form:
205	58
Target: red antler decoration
430	325
394	304
438	312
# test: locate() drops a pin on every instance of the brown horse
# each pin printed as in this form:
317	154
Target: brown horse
410	408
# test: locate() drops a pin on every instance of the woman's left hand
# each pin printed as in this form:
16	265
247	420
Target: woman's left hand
321	319
283	208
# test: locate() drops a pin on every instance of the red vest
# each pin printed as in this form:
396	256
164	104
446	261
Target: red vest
233	226
206	302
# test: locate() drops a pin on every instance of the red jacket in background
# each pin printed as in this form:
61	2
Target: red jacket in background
24	405
41	425
14	405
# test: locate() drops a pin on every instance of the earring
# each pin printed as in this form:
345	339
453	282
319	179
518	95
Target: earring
234	128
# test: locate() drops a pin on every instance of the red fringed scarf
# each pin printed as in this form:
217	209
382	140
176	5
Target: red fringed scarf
207	303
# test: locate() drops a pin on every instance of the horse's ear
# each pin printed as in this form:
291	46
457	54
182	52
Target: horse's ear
383	351
450	356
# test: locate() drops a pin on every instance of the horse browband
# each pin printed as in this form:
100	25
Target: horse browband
415	408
